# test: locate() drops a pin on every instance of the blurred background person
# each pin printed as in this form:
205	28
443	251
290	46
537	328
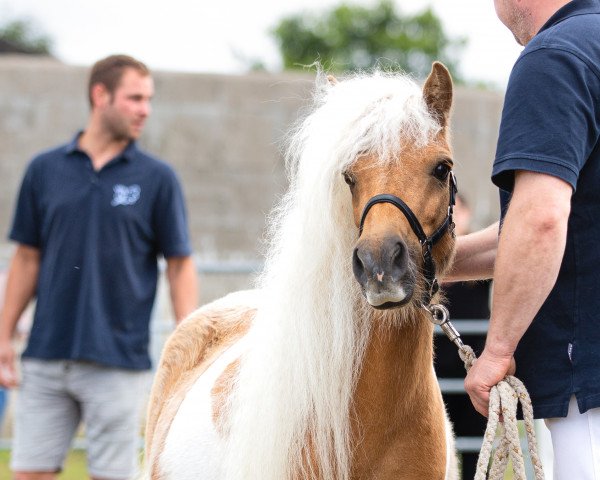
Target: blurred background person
92	217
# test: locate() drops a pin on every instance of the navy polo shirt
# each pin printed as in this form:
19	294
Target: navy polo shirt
551	124
99	234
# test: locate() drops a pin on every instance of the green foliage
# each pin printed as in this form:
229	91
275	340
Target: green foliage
24	35
352	37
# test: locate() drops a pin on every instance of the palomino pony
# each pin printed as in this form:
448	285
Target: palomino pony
325	372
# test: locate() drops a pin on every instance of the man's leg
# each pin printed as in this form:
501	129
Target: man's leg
46	418
576	444
111	401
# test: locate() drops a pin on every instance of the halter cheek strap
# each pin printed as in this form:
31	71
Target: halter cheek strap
426	242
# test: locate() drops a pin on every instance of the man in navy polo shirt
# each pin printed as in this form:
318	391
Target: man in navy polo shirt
91	219
546	307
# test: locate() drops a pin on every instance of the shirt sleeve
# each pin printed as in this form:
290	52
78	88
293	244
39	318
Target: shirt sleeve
26	226
550	120
170	219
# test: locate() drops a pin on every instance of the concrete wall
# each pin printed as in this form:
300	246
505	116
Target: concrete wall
223	136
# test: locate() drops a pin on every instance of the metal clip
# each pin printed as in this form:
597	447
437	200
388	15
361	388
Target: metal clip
439	313
440	316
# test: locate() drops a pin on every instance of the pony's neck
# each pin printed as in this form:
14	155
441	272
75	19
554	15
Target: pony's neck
397	396
399	345
397	369
398	414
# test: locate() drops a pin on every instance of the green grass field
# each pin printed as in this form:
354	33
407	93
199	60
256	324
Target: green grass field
75	468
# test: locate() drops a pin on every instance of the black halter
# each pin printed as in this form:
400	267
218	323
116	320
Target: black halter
425	241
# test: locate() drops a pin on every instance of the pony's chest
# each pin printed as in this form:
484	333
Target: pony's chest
193	448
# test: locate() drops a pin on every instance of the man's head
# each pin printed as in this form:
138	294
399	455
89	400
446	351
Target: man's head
120	90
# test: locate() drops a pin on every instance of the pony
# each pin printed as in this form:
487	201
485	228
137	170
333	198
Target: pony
324	371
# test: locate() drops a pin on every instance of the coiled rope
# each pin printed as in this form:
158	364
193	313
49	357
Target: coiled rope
504	398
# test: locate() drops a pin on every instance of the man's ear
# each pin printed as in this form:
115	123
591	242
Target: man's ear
100	95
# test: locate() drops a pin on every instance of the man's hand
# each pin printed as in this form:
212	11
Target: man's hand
486	372
20	289
8	370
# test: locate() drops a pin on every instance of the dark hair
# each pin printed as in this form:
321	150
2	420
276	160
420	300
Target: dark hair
109	71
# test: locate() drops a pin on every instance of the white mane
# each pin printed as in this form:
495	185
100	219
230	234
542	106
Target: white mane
309	337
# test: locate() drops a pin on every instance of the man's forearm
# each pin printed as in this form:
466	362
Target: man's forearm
20	288
530	252
183	282
475	256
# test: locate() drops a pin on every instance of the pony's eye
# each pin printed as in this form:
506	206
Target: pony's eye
349	179
441	171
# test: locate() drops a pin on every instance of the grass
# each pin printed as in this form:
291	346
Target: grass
75	466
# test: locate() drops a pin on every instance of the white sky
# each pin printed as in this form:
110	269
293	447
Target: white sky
212	35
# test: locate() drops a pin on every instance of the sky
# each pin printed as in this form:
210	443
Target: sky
217	36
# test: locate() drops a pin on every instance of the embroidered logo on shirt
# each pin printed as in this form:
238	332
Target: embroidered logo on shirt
125	195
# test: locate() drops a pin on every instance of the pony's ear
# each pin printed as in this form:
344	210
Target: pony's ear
332	80
437	92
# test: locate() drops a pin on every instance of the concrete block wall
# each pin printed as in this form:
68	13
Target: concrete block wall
224	136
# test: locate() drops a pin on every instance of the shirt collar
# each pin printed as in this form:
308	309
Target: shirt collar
72	146
129	153
575	7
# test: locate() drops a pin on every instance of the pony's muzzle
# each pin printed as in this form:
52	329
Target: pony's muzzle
382	268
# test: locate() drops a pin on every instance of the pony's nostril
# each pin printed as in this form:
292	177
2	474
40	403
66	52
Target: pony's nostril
399	257
358	266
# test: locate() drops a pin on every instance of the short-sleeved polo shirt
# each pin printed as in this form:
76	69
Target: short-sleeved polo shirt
551	125
99	234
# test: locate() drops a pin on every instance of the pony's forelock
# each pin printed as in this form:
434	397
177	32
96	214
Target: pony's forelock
375	114
295	385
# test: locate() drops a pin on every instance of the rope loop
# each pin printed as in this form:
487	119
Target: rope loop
504	399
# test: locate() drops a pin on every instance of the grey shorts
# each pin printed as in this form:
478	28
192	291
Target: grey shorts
56	396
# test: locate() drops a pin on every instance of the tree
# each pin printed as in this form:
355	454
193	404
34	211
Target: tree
24	37
351	37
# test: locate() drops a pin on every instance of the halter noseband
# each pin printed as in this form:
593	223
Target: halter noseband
426	242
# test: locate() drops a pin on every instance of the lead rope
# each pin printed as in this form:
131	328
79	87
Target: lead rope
504	398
